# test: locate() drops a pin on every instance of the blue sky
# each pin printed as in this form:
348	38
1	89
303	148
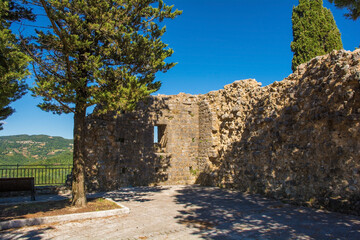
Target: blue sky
216	42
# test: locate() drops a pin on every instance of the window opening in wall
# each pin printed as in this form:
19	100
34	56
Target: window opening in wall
156	130
160	137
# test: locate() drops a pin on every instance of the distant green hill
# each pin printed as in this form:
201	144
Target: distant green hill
35	149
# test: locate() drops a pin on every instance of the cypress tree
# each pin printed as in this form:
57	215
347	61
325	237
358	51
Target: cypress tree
314	31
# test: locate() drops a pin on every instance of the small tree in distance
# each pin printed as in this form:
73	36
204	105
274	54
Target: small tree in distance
98	52
314	32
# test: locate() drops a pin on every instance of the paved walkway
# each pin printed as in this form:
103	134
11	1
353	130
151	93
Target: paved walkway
191	212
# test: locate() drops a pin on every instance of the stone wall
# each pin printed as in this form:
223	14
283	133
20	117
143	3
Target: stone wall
296	139
121	149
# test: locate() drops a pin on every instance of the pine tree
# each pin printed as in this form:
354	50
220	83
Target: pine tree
314	31
98	52
13	62
352	5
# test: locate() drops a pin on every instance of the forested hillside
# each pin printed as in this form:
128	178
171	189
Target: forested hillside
35	149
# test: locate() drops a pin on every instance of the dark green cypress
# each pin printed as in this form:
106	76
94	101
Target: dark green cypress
314	31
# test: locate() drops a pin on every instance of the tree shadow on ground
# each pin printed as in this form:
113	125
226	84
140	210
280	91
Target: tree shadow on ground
224	214
136	194
35	234
20	210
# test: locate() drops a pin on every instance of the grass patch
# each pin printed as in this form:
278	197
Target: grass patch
53	208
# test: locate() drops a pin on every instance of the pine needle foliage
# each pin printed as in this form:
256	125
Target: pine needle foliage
314	32
100	52
352	5
103	52
13	62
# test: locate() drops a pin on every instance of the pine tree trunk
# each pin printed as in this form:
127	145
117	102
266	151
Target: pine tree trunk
78	180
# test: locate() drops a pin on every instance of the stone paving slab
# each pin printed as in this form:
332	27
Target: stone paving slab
192	212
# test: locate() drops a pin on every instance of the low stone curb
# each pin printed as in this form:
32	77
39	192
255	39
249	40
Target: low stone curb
62	218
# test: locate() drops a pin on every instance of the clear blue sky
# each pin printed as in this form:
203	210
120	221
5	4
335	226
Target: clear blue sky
216	42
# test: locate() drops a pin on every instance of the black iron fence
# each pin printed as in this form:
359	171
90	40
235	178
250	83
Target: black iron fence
43	174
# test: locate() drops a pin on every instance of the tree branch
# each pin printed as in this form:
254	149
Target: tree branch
54	97
58	32
38	61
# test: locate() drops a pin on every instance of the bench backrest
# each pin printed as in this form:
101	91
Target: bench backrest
16	184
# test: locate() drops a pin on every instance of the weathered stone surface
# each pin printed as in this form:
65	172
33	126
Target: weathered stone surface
121	149
296	139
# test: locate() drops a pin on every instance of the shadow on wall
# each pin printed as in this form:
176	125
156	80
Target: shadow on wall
301	140
121	152
222	214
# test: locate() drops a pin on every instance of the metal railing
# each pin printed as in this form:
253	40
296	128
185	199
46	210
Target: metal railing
43	174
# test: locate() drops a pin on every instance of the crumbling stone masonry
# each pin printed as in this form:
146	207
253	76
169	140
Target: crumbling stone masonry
296	139
122	151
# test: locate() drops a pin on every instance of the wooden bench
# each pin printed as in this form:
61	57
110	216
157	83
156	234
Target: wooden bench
18	184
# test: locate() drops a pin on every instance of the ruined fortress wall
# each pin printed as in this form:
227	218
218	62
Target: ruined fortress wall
121	151
295	139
